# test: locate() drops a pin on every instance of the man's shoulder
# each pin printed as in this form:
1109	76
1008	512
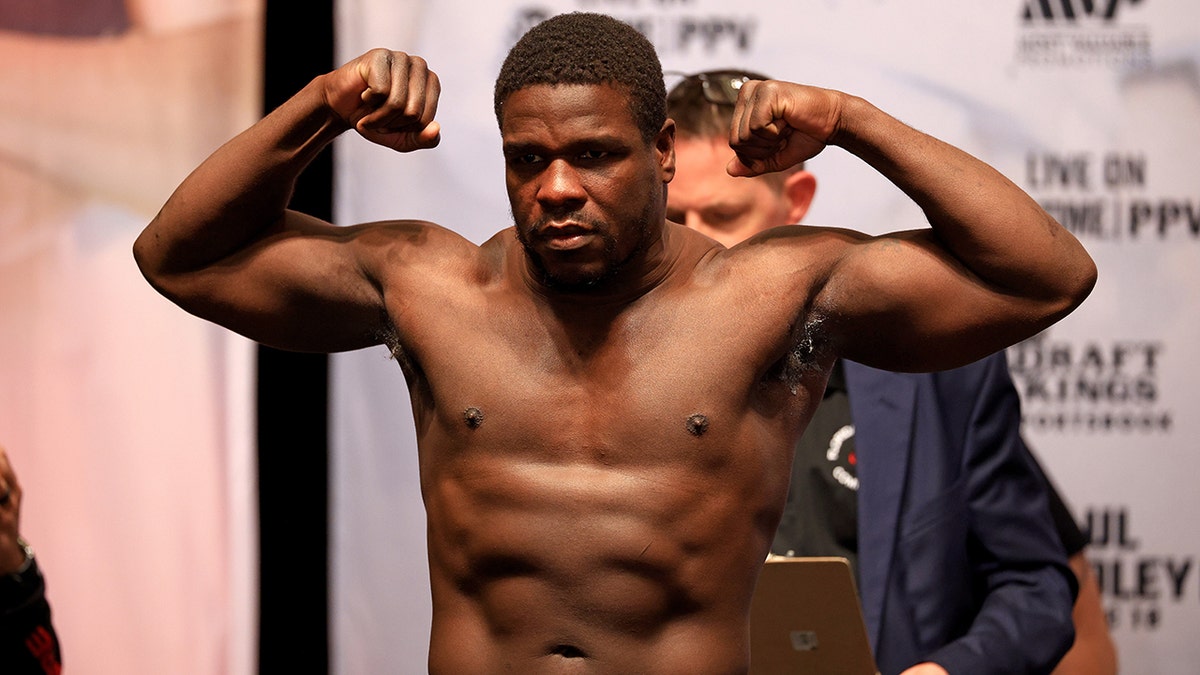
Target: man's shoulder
402	246
819	239
414	232
788	254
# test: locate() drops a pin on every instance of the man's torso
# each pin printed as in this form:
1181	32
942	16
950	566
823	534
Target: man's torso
602	483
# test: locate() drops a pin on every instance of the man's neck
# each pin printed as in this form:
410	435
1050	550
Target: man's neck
648	268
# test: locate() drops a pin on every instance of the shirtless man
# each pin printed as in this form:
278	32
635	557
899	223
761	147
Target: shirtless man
599	499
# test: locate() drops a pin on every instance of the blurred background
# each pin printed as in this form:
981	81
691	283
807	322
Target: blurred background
203	505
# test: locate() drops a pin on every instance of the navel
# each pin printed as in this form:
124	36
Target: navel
697	424
473	417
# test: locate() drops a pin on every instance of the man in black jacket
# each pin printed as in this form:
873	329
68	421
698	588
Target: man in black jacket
28	642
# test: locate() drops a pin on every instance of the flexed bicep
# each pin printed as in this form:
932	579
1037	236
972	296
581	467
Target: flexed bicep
302	285
226	248
902	302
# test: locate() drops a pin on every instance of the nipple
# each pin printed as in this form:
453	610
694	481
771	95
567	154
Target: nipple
697	424
473	417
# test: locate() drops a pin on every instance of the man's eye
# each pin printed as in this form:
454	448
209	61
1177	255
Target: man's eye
593	154
723	216
524	159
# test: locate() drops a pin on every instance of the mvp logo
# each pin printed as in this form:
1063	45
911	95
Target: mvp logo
1073	10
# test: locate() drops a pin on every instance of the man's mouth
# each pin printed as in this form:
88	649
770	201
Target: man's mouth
565	236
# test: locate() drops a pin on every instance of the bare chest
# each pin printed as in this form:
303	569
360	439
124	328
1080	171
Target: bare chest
656	441
639	384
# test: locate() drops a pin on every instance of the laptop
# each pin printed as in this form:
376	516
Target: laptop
805	617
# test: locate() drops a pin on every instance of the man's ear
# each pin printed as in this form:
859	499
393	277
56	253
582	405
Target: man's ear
799	188
664	146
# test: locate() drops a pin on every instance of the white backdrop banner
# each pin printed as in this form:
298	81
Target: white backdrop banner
1093	107
127	421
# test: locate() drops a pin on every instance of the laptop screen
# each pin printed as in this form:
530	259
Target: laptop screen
805	617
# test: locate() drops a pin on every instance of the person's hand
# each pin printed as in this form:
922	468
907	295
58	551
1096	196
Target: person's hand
12	556
927	668
388	97
777	125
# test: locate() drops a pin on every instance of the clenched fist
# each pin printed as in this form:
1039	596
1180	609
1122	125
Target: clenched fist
777	125
389	97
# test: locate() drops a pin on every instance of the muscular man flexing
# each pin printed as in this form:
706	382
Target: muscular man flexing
605	403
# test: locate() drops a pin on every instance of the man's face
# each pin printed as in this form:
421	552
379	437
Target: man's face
707	199
586	190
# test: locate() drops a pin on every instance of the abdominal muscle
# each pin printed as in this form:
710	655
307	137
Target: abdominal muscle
589	567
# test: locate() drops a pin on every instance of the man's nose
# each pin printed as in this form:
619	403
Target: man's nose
561	184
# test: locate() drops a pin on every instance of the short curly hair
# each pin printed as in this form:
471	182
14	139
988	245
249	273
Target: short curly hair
588	48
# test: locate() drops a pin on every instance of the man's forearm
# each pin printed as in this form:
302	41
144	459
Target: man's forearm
241	190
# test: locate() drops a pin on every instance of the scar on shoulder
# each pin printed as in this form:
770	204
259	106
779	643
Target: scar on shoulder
697	424
473	417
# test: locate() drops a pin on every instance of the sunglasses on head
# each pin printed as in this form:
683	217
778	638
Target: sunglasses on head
719	87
